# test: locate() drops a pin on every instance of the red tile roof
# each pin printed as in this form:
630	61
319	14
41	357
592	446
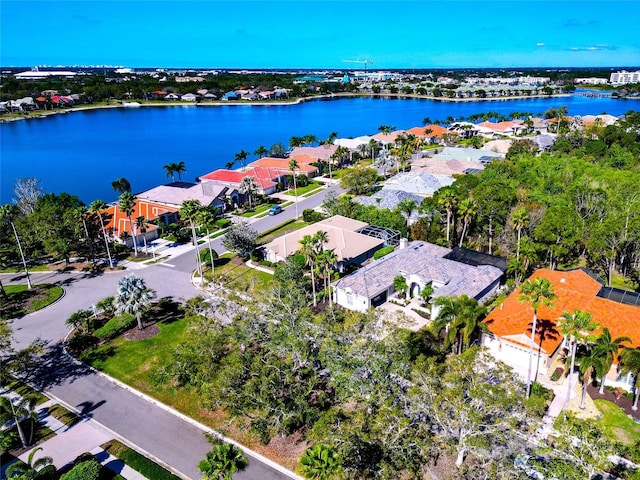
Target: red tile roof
575	290
262	176
282	165
119	222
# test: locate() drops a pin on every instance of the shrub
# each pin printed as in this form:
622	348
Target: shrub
223	223
115	326
382	252
205	256
88	470
81	342
257	255
557	374
309	215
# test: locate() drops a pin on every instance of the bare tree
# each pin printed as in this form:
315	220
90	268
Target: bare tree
27	191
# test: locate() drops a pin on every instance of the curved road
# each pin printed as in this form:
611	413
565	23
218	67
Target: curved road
164	435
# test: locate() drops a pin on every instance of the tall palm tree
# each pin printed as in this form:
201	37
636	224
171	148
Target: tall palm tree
121	185
576	328
180	168
17	409
248	187
320	462
460	318
326	261
447	199
296	141
7	213
133	297
537	292
329	140
190	211
293	166
170	168
310	139
222	461
97	207
141	225
605	348
81	214
241	156
630	362
30	469
127	203
588	366
406	207
309	250
207	218
261	151
520	220
467	210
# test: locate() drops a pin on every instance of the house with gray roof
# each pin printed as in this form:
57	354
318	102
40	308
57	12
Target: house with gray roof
391	199
421	264
469	154
207	193
422	184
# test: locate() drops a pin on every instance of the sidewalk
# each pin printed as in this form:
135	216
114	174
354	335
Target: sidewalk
164	251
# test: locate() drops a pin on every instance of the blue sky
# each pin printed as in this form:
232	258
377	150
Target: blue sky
308	34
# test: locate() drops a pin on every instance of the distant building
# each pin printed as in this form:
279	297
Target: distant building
590	81
624	77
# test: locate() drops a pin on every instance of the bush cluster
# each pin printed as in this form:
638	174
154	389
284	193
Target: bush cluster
115	326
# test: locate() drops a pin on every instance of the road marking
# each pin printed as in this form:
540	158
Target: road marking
167	265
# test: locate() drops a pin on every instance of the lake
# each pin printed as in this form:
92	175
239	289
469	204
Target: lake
83	152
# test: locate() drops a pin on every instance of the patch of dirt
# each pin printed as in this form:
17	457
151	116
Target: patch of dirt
237	261
147	332
285	450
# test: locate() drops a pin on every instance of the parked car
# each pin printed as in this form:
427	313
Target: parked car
276	209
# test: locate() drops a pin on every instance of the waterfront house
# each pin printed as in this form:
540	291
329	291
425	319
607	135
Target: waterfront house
350	246
321	152
265	180
230	96
172	96
431	133
118	226
448	272
175	194
280	167
509	324
189	97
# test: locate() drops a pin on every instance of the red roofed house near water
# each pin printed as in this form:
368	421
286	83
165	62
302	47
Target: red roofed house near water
116	222
509	324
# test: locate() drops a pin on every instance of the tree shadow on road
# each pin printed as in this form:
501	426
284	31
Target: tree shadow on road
56	368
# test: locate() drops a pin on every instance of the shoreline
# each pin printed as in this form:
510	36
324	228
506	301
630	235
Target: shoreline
297	101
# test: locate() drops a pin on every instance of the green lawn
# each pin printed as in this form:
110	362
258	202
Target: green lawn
62	414
23	301
19	269
25	390
302	190
618	281
239	277
267	236
138	462
257	210
616	423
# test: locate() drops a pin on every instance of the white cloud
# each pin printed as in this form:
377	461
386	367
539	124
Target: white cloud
540	44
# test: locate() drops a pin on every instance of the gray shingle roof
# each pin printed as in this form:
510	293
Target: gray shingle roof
387	198
468	154
418	183
426	261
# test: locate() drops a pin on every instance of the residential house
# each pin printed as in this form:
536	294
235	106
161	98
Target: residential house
422	184
350	246
230	96
430	133
189	97
280	167
499	146
117	223
388	138
321	152
172	96
476	155
421	264
174	194
509	324
265	180
387	198
502	128
352	143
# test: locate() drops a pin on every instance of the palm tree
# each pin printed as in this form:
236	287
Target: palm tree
326	261
133	297
241	156
605	348
141	225
320	462
7	213
447	199
222	461
467	209
576	328
81	215
248	187
630	362
190	211
97	207
293	166
296	141
29	470
310	139
588	365
520	220
460	318
406	207
207	218
180	168
537	292
261	151
309	250
127	203
121	185
329	140
17	409
170	168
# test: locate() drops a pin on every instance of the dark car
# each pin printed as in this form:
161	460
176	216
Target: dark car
276	209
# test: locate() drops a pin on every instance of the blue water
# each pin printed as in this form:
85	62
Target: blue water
83	152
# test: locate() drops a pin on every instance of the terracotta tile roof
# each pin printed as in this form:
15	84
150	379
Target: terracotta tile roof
116	220
388	137
262	176
304	159
575	290
436	131
498	127
323	152
282	165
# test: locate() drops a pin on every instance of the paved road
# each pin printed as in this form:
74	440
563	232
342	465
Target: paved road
158	432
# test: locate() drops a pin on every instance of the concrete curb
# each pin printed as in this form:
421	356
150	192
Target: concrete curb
204	428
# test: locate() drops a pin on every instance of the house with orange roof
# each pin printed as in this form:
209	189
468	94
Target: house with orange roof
280	167
430	133
390	137
266	180
503	128
117	224
304	159
321	152
509	324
